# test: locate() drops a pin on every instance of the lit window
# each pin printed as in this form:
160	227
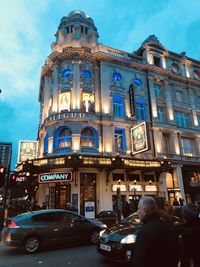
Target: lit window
118	106
64	138
46	140
182	119
119	143
187	147
140	110
64	101
87	74
137	82
117	76
87	138
66	73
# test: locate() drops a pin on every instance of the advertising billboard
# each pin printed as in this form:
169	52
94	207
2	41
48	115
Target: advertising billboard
139	140
55	177
27	150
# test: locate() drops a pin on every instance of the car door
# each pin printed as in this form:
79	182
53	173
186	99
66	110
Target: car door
75	227
47	227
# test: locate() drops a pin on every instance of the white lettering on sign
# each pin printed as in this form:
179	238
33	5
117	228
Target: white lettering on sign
54	177
66	115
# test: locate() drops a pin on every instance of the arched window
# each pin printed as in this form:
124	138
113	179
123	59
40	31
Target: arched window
46	145
89	138
63	138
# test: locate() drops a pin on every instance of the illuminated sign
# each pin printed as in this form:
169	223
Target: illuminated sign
27	150
151	188
131	99
66	115
121	186
55	177
139	138
135	188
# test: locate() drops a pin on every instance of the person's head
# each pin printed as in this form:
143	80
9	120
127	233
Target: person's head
147	206
191	213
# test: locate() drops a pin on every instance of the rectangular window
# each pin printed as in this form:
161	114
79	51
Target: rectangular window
160	113
118	106
182	119
179	96
119	143
187	147
157	61
157	90
165	144
198	118
140	110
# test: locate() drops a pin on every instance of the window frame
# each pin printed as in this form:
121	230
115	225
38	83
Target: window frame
118	106
122	135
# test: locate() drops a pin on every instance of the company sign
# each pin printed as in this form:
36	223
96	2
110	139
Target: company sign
55	177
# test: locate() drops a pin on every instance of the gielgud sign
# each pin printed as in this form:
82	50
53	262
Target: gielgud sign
53	177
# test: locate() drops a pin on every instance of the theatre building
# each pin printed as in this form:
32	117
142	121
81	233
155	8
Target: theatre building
113	119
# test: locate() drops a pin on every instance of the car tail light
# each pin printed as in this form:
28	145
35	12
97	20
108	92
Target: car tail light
13	224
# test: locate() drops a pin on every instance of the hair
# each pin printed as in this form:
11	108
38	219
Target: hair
148	203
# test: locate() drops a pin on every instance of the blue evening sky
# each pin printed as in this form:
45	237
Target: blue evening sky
27	29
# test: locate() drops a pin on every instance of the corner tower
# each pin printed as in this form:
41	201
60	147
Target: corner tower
76	29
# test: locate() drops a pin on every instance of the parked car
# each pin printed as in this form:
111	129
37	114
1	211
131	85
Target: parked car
107	216
31	230
117	242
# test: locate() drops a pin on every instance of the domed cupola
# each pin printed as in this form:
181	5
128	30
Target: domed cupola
76	29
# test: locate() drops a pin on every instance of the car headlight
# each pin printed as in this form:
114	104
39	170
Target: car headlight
101	233
128	239
103	226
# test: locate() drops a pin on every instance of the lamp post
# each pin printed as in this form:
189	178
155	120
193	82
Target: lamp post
119	205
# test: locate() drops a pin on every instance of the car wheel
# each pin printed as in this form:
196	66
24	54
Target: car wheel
32	244
94	237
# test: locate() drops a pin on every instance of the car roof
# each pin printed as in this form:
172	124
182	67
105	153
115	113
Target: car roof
37	212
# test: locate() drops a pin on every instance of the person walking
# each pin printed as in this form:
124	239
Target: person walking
157	242
190	239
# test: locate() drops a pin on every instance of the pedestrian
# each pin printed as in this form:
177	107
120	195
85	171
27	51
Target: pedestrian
125	209
43	206
156	243
190	239
164	209
36	206
175	202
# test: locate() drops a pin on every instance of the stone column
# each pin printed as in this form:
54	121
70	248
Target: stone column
55	75
170	113
46	89
76	92
179	177
97	96
153	98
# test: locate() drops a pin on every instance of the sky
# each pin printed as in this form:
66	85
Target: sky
27	29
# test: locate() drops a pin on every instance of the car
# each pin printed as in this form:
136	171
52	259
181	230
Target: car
33	229
107	216
117	242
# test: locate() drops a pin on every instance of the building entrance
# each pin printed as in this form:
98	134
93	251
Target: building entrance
62	196
87	192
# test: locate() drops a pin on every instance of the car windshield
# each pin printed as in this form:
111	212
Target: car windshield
133	218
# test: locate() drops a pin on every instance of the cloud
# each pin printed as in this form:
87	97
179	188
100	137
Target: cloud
171	24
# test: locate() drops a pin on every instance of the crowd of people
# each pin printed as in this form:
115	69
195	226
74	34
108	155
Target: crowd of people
158	244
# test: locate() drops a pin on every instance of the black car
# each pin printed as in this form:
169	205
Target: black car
31	230
117	242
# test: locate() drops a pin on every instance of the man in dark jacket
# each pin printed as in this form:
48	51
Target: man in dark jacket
191	236
156	243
